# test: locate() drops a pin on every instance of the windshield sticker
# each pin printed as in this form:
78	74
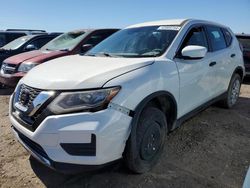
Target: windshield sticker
165	27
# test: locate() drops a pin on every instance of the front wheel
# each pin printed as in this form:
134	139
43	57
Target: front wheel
233	92
146	141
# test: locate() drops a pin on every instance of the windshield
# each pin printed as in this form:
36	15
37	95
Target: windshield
150	41
66	41
17	42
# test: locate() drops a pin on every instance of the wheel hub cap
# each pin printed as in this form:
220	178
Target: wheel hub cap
235	92
151	142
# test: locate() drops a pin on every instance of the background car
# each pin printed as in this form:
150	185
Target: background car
25	43
9	35
69	43
244	40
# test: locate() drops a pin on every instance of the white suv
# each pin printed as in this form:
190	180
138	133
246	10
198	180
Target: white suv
124	96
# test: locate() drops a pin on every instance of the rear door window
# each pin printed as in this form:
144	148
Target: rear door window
216	38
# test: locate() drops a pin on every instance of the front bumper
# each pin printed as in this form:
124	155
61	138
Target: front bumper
10	79
41	156
110	127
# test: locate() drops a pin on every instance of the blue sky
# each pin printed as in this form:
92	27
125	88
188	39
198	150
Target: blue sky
65	15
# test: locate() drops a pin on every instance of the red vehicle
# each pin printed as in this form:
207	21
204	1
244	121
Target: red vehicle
80	41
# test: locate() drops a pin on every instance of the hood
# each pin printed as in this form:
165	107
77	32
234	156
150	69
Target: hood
81	72
34	56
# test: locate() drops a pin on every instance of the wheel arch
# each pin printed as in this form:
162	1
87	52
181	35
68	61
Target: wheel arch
239	70
164	101
155	99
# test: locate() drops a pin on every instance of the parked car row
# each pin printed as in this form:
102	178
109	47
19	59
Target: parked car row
24	44
9	35
15	67
43	47
122	97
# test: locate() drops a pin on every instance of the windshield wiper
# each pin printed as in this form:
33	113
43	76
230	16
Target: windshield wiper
103	54
100	54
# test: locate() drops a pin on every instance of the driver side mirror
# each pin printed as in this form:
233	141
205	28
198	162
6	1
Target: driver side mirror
86	47
194	52
30	47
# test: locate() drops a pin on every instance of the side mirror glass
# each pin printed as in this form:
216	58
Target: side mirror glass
86	47
194	52
30	47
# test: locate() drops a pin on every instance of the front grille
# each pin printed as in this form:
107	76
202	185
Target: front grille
26	95
8	68
22	105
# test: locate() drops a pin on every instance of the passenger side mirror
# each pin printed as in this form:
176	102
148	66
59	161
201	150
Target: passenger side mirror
194	52
86	47
30	47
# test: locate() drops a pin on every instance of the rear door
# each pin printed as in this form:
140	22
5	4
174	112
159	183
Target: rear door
223	56
196	75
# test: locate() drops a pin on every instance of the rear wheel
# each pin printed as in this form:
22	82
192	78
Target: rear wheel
233	92
146	141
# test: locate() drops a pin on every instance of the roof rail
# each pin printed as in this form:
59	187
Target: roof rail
28	30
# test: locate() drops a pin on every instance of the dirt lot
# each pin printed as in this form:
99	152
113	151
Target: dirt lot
210	150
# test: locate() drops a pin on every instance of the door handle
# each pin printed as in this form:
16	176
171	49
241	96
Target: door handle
232	55
212	63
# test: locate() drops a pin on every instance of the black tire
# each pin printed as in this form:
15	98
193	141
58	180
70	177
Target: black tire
146	141
2	86
233	92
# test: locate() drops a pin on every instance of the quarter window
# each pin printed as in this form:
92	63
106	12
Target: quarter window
228	37
216	37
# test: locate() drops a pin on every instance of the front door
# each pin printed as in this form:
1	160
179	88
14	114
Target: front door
196	76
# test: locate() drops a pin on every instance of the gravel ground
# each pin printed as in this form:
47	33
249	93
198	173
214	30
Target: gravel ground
210	150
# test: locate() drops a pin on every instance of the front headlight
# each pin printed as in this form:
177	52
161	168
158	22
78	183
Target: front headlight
82	100
26	66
